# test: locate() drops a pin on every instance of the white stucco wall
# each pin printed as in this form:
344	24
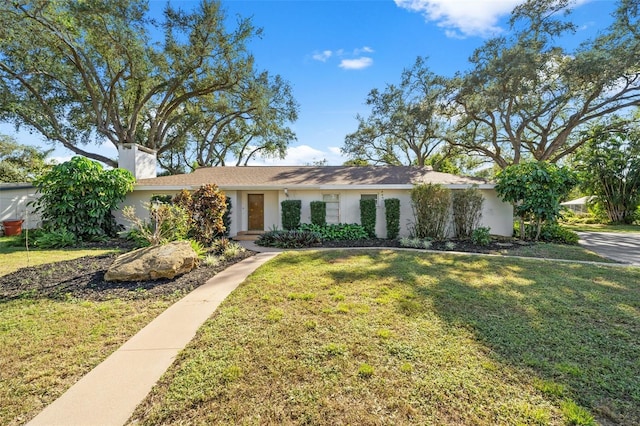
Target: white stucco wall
14	204
496	214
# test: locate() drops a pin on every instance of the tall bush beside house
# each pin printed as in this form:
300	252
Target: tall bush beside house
226	217
392	215
318	213
467	211
368	216
535	190
431	208
206	207
79	195
291	214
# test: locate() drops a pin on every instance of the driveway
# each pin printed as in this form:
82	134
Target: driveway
622	247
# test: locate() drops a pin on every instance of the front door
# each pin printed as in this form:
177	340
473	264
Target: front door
256	212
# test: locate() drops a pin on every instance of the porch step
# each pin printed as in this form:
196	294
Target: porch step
248	235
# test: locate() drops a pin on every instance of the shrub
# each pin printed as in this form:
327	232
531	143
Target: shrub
550	232
79	196
226	217
289	239
431	207
197	247
55	239
368	216
291	214
481	236
167	222
467	211
319	213
337	232
392	214
206	208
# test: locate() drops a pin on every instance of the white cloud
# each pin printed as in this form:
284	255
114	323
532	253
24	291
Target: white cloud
322	56
365	49
302	155
356	64
463	18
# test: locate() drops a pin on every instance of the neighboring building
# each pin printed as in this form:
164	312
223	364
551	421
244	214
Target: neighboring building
257	191
579	205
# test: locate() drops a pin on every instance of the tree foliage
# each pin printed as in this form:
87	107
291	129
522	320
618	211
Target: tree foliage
405	126
609	167
535	190
528	98
84	71
78	196
21	163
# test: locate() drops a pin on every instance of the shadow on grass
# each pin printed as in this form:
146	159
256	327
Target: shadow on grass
575	327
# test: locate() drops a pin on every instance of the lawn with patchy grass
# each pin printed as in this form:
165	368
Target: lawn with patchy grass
15	257
47	345
599	227
384	337
555	251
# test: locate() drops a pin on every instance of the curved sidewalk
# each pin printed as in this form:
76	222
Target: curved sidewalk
110	392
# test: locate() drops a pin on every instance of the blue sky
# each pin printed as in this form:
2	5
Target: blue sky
334	52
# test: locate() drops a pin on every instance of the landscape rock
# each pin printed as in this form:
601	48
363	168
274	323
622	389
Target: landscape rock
152	263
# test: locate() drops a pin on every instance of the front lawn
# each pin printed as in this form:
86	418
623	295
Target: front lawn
599	227
384	337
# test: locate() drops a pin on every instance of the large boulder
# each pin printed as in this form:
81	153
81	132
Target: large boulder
152	263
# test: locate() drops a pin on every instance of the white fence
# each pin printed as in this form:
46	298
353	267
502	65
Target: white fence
15	199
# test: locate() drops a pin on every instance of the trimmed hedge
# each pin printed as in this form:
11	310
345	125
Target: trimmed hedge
392	214
291	214
319	213
368	216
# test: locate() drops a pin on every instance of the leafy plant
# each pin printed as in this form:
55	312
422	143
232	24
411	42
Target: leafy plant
481	236
55	239
550	232
368	216
291	214
431	209
535	190
167	222
392	215
206	207
318	213
337	232
197	247
79	196
289	239
467	211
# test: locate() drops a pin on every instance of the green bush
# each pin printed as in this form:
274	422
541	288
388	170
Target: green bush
291	214
481	236
167	222
206	208
549	232
431	208
226	217
467	211
368	216
79	196
319	213
337	232
289	239
392	214
56	239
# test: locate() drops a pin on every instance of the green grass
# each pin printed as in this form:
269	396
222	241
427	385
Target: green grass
415	338
555	251
14	258
599	227
47	345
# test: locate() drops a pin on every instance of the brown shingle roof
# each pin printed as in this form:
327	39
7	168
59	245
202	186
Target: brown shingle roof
310	176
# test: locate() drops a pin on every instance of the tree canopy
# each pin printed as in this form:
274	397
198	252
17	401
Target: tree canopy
609	167
103	70
21	163
528	98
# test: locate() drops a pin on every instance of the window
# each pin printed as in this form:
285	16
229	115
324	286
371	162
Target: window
333	207
373	197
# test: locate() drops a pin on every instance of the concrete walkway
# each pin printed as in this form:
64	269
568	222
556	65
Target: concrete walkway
621	247
109	393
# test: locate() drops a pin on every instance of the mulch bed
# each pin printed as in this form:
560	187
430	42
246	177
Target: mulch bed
83	278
